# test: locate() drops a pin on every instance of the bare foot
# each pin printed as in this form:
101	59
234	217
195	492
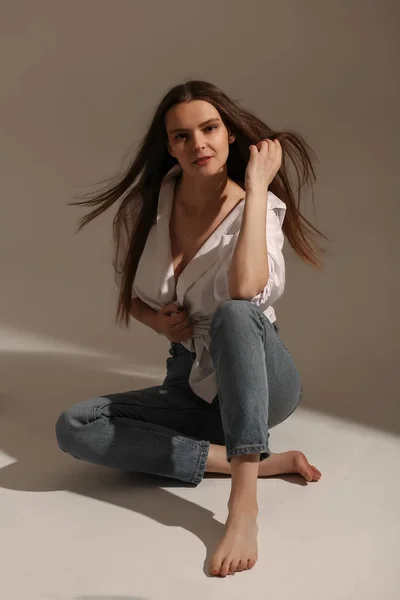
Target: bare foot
237	551
292	461
276	464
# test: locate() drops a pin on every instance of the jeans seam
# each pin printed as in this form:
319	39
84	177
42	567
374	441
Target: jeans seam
141	404
268	322
249	449
201	463
221	412
154	428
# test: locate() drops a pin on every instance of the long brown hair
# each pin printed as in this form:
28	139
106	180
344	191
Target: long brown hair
138	207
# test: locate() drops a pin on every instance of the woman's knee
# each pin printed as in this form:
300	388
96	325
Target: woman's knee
72	421
231	310
63	432
280	412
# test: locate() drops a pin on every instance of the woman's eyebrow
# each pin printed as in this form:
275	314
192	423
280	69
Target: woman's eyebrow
201	125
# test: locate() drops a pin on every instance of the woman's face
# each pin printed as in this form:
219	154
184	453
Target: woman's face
196	129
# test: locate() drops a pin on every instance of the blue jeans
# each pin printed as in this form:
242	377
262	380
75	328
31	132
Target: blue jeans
167	430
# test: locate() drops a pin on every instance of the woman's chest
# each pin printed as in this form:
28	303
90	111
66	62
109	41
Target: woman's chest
187	236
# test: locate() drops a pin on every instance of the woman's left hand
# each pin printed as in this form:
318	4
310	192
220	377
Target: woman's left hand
264	163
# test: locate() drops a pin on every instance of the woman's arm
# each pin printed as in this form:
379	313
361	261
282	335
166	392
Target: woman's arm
248	273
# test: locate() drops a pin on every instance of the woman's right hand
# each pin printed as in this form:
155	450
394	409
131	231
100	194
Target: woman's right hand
173	322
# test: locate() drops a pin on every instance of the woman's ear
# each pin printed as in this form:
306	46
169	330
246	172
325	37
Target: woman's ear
231	138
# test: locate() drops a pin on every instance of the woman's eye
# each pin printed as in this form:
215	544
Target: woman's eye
209	127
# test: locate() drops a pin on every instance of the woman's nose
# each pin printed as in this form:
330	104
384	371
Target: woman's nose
198	143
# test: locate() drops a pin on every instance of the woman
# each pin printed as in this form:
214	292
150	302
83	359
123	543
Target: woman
202	264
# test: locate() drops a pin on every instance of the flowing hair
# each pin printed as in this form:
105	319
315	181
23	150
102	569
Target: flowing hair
138	188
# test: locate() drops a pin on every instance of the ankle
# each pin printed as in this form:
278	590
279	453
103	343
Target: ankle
216	460
243	504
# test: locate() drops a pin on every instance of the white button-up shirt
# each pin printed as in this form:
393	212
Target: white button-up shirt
203	284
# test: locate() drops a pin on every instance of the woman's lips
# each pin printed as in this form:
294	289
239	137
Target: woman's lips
203	161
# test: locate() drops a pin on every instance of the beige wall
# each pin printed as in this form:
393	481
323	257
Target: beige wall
79	82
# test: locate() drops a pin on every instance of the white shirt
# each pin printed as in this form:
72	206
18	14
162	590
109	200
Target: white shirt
203	284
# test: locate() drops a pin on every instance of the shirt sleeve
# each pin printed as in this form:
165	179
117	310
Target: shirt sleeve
276	264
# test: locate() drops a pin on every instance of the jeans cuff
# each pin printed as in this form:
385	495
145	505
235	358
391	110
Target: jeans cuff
261	449
201	465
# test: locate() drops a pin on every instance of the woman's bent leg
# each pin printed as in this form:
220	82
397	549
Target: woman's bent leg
153	430
258	383
252	367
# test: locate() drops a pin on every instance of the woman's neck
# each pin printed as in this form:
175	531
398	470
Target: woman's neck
198	195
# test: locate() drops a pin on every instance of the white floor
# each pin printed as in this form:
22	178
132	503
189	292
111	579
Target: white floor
75	531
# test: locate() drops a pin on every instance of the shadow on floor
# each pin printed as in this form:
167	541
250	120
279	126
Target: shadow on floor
36	389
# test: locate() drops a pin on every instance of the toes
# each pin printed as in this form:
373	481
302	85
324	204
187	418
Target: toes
308	473
230	567
225	567
242	565
215	567
301	464
316	474
234	567
303	467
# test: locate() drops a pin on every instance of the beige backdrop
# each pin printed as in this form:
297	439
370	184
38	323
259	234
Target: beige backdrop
79	83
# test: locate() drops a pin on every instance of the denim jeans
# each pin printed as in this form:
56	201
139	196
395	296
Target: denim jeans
167	429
